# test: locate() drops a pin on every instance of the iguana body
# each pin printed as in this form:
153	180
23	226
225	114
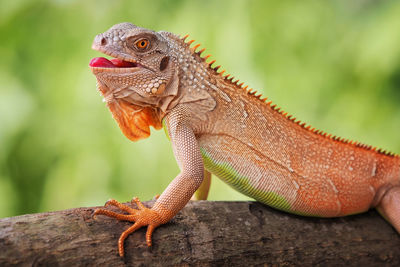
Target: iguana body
216	124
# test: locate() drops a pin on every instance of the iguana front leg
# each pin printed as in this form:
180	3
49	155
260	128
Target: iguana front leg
178	192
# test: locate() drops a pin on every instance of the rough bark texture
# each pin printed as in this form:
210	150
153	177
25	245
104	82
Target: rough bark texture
204	233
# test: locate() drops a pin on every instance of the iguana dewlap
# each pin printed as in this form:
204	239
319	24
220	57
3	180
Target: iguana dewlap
218	126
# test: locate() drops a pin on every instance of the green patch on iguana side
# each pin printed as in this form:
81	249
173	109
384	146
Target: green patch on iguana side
164	124
228	174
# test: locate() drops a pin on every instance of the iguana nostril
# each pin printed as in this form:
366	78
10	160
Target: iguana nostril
103	41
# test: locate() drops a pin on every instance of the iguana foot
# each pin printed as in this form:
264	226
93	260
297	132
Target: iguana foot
142	217
390	207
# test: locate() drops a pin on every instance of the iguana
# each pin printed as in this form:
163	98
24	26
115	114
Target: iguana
216	125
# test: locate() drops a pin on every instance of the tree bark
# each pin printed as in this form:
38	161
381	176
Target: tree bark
204	233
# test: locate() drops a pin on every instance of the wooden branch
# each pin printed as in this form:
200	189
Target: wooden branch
204	233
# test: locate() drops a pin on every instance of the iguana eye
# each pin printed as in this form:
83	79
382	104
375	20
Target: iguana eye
142	44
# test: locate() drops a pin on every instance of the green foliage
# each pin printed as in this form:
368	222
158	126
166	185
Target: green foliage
334	64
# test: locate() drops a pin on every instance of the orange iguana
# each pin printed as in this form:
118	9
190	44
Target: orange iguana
218	126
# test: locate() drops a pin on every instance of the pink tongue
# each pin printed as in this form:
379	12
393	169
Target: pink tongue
101	62
113	63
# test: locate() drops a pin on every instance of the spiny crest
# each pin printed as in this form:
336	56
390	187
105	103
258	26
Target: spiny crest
194	48
330	136
226	77
253	93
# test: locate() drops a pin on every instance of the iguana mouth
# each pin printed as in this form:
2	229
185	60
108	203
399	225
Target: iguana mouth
101	62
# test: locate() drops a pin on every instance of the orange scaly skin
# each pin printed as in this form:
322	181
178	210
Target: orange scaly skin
218	126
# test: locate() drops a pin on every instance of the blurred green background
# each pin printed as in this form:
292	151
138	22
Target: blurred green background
334	64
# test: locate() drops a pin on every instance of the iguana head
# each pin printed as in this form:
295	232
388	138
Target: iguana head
140	80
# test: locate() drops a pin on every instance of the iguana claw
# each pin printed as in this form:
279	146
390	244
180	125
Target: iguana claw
142	216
